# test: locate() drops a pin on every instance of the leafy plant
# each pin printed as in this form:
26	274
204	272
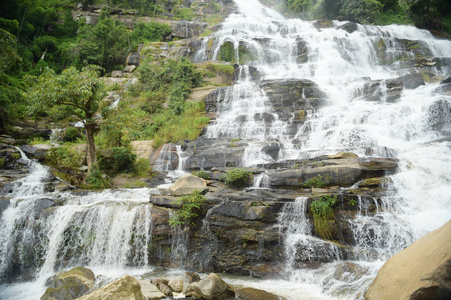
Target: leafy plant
316	182
98	180
64	158
236	177
190	207
121	160
142	167
322	211
202	174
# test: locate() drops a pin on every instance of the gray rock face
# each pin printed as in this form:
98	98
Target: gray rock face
134	59
187	29
341	172
349	27
382	90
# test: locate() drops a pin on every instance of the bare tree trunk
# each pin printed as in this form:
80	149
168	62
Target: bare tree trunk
91	157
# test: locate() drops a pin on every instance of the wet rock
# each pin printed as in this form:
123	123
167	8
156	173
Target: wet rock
420	271
412	81
214	99
340	172
187	29
165	201
382	90
176	284
187	184
320	24
254	294
439	116
302	51
69	285
37	151
150	291
125	288
188	278
272	150
349	27
7	139
340	155
213	288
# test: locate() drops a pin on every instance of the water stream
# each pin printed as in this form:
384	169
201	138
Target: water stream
110	231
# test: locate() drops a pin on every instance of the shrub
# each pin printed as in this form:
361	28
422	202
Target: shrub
98	180
322	211
64	158
316	182
191	206
237	177
202	174
142	167
71	135
121	160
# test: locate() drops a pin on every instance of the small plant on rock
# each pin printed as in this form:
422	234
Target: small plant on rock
236	177
316	182
323	211
202	174
191	206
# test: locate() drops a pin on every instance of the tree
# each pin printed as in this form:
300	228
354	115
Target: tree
80	93
362	11
105	44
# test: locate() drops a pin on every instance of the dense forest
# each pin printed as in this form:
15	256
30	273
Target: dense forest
46	48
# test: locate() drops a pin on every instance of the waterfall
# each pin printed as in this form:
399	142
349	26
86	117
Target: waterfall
368	107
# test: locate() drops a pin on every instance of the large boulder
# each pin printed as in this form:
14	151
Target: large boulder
420	271
70	284
150	291
254	294
187	184
125	288
143	149
212	287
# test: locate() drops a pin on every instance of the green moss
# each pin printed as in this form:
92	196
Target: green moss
220	68
206	32
15	156
227	52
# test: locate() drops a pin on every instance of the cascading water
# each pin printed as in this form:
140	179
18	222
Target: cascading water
107	231
368	112
352	73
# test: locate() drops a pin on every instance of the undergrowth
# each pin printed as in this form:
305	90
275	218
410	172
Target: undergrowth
323	211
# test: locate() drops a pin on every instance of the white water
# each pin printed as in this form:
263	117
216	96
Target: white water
419	199
98	226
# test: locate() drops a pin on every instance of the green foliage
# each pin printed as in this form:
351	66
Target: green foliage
362	11
105	44
142	167
316	182
149	32
71	135
98	180
121	160
190	207
64	158
322	211
183	13
227	52
78	93
202	174
237	177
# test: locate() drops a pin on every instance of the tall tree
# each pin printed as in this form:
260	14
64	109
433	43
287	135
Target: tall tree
80	93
